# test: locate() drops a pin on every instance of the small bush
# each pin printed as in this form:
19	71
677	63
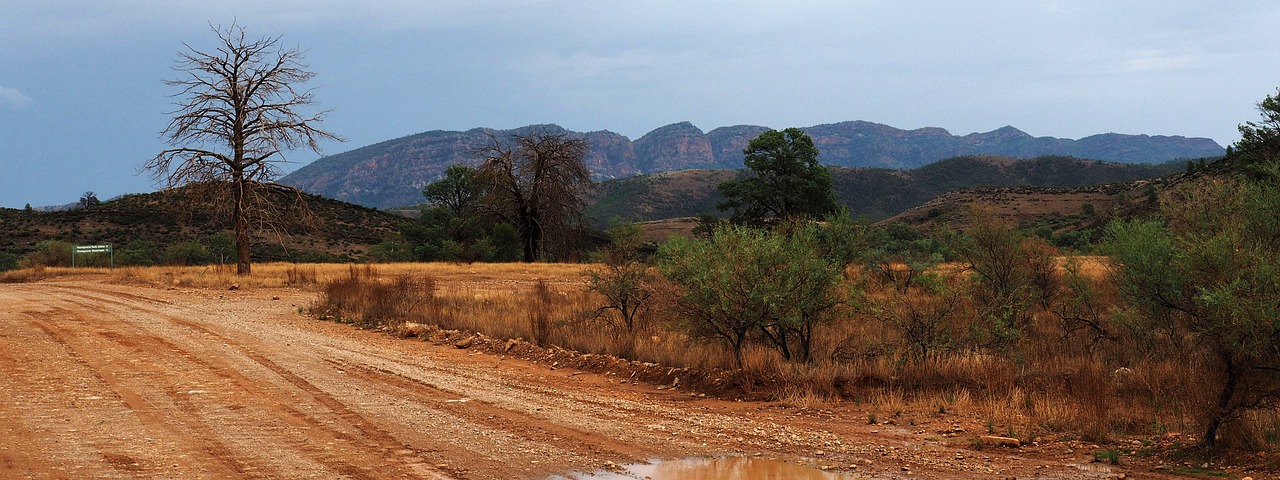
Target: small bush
364	299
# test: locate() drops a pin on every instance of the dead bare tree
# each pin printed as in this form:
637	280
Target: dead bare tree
536	182
238	111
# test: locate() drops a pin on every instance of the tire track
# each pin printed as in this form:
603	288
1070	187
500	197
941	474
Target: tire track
365	438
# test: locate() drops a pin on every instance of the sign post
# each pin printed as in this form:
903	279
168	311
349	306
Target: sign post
84	249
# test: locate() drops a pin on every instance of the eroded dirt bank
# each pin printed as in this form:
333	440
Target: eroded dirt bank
115	381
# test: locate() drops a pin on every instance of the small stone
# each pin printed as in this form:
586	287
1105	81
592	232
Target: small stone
275	297
234	286
465	343
819	453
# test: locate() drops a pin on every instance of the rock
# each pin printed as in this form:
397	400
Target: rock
234	286
1000	441
510	344
465	343
275	297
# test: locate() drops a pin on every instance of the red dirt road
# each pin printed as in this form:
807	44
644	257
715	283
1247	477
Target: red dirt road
117	381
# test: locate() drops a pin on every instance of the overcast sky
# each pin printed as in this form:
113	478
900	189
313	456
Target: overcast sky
82	98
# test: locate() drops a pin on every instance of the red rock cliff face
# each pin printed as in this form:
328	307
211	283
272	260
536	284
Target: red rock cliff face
393	173
677	146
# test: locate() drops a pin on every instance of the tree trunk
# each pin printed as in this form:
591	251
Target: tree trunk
532	241
242	227
1225	408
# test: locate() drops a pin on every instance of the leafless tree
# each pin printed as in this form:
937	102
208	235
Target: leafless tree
536	182
238	111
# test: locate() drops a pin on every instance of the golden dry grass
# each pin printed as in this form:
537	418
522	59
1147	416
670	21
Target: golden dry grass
1052	384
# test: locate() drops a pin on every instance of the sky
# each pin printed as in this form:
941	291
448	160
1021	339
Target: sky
83	99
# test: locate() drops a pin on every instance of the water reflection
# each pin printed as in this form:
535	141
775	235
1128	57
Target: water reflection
725	468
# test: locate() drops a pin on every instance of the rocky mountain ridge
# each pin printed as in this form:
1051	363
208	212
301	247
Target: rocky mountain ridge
393	173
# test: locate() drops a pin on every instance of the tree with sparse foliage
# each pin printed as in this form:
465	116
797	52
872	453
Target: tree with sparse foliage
239	109
89	199
784	180
536	183
623	278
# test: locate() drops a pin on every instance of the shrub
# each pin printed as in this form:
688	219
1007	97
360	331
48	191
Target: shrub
49	253
1206	283
746	284
623	279
364	299
8	261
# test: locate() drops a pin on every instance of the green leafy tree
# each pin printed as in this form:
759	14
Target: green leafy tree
50	253
1207	282
744	284
186	253
784	180
221	247
392	248
8	261
458	192
1260	141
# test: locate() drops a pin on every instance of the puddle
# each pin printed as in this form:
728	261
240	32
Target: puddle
725	468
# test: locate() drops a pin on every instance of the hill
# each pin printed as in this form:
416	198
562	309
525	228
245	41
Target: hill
155	221
876	193
1057	209
393	173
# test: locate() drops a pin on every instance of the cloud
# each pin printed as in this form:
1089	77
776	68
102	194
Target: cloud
11	97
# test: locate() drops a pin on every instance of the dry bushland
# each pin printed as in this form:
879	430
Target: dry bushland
1056	378
1073	372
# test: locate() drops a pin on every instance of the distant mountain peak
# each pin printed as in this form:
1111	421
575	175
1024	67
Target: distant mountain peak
678	128
392	173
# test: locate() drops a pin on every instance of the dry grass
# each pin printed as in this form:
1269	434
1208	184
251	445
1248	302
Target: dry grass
33	274
1054	383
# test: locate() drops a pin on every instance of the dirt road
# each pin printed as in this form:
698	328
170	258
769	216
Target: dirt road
116	381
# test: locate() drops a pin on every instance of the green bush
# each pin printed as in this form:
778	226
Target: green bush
8	261
1210	274
50	253
748	285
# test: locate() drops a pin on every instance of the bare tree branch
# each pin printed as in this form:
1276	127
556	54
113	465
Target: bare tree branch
237	113
536	183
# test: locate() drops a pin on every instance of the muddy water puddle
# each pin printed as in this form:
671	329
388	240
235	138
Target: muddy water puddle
723	468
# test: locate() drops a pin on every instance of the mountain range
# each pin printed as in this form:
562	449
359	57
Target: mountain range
873	193
392	173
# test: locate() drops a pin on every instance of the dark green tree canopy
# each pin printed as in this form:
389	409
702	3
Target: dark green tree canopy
784	180
458	192
1260	141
